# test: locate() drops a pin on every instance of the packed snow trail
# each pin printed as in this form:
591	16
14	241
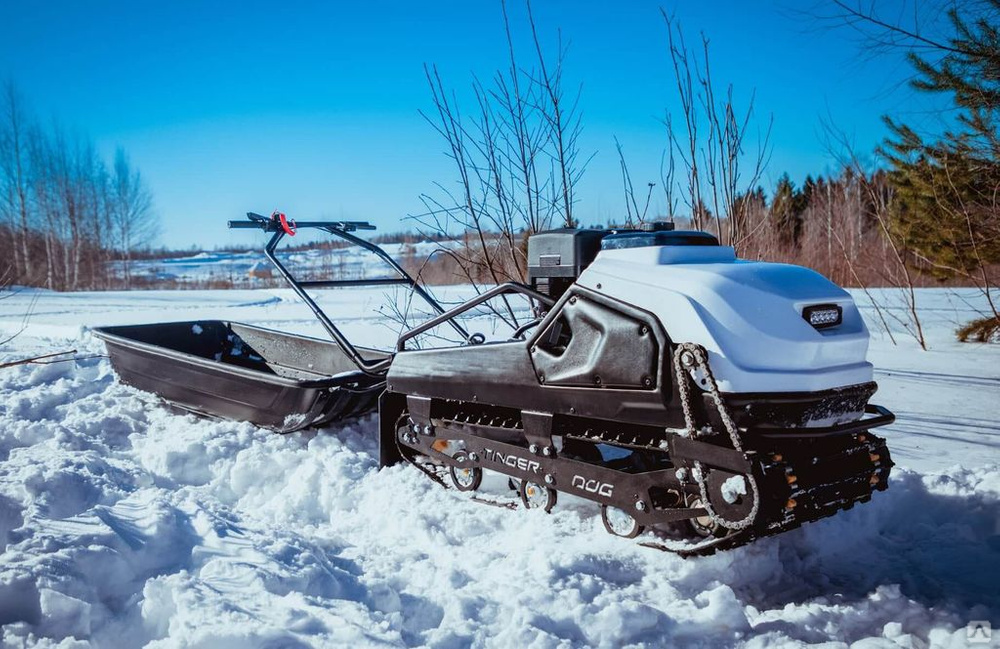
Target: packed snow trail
124	524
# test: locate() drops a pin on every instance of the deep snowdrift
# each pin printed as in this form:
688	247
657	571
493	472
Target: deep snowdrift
123	524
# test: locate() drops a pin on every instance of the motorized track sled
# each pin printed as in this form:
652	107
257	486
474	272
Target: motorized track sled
705	400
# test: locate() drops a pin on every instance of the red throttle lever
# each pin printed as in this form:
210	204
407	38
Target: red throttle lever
286	225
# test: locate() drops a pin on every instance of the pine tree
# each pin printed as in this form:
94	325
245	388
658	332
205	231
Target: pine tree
947	201
808	188
787	208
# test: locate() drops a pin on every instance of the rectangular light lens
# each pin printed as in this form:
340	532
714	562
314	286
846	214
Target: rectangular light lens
822	316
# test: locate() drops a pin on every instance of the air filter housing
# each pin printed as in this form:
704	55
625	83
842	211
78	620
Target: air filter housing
557	257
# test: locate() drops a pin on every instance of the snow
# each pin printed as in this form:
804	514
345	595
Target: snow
124	524
733	488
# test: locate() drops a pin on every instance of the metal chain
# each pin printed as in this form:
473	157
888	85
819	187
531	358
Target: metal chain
694	357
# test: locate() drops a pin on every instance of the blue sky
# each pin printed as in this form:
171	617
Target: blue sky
313	107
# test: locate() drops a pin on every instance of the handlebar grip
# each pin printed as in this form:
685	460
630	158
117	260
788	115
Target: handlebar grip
245	225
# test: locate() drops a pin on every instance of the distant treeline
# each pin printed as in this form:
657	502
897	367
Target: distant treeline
162	252
831	224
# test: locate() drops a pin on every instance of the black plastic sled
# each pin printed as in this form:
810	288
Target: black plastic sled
274	379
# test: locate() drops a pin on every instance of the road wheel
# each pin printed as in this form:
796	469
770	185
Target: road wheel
536	496
464	476
619	522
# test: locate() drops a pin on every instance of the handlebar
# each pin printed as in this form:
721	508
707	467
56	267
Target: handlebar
256	221
279	227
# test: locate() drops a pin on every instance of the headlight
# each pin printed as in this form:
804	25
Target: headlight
822	316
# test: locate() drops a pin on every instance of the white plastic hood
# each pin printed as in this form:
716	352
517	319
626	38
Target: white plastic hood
748	315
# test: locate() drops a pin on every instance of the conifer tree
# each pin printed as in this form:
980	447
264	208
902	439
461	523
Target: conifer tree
787	208
947	187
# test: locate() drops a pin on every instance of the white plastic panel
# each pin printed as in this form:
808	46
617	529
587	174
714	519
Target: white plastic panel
748	315
660	255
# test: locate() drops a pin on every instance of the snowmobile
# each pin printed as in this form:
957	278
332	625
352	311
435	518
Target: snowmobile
660	377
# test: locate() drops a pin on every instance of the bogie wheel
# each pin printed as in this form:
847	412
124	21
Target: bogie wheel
619	522
536	496
465	478
704	525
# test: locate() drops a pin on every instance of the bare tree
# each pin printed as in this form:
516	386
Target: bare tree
14	188
516	158
714	145
634	217
688	145
131	211
562	120
896	271
668	172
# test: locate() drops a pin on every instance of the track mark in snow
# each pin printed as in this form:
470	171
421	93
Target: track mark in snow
985	425
274	299
965	430
941	378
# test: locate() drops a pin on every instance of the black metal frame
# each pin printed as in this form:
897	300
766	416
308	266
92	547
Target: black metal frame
883	417
342	229
496	291
627	487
